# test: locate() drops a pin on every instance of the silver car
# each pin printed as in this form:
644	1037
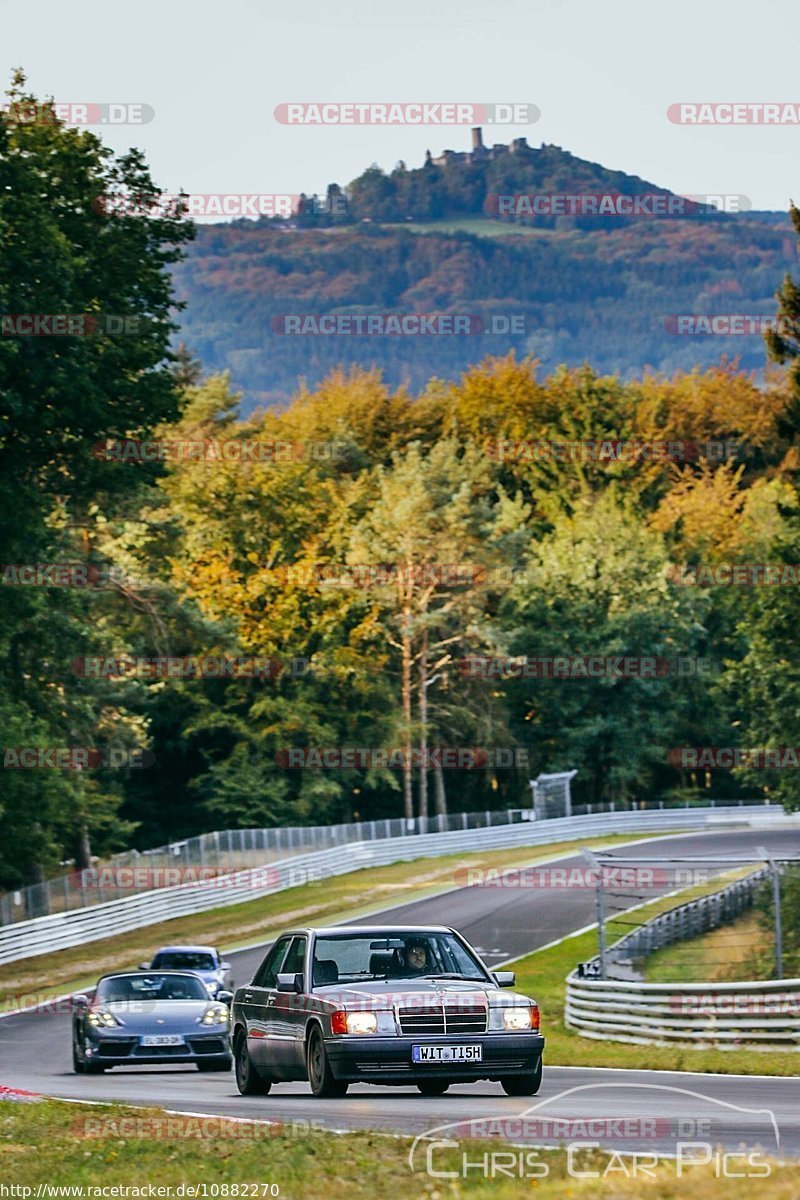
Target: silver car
161	1017
405	1005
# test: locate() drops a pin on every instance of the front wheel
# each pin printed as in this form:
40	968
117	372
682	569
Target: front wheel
433	1087
78	1065
320	1076
248	1080
523	1085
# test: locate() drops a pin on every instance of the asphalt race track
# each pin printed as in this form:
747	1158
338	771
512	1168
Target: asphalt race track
502	923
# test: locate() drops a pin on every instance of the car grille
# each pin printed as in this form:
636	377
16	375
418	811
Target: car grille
442	1019
115	1049
209	1046
162	1051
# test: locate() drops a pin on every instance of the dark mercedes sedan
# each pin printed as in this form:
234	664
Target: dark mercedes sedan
405	1005
162	1017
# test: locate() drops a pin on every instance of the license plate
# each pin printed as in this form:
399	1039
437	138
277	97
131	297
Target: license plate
163	1039
439	1054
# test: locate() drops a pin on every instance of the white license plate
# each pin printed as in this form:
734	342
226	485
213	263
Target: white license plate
163	1039
438	1054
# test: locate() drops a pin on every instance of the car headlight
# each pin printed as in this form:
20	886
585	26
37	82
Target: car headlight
356	1022
217	1015
521	1018
101	1018
362	1022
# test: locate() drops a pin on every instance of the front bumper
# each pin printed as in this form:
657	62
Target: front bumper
364	1058
116	1051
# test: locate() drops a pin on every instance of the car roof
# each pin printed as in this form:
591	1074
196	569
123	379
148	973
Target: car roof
365	930
185	950
143	974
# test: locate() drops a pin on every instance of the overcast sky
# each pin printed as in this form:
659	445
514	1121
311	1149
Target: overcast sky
603	76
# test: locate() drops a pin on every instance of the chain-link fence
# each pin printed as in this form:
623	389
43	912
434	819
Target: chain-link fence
202	858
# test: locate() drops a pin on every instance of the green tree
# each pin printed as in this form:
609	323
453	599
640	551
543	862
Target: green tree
60	396
597	585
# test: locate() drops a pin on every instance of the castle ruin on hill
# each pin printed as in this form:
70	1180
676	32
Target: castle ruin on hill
479	152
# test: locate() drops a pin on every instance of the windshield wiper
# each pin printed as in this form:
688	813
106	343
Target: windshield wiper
457	975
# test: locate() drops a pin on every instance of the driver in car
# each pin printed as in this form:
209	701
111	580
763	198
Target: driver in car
417	961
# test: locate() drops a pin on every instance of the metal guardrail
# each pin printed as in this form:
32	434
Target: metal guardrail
233	849
218	853
43	935
761	1013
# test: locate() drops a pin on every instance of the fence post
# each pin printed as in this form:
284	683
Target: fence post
599	899
776	904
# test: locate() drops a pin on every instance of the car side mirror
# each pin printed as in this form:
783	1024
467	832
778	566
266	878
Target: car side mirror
80	1001
225	998
144	966
224	966
505	978
290	983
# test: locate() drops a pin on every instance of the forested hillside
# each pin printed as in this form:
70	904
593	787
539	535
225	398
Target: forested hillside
599	289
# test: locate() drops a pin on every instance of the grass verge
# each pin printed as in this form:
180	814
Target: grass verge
543	974
46	1143
343	897
727	954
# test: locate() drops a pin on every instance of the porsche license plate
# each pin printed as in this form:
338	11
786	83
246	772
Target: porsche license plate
163	1039
440	1054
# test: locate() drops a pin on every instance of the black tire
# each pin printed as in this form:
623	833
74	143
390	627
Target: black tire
248	1080
433	1087
78	1065
523	1085
215	1066
320	1076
